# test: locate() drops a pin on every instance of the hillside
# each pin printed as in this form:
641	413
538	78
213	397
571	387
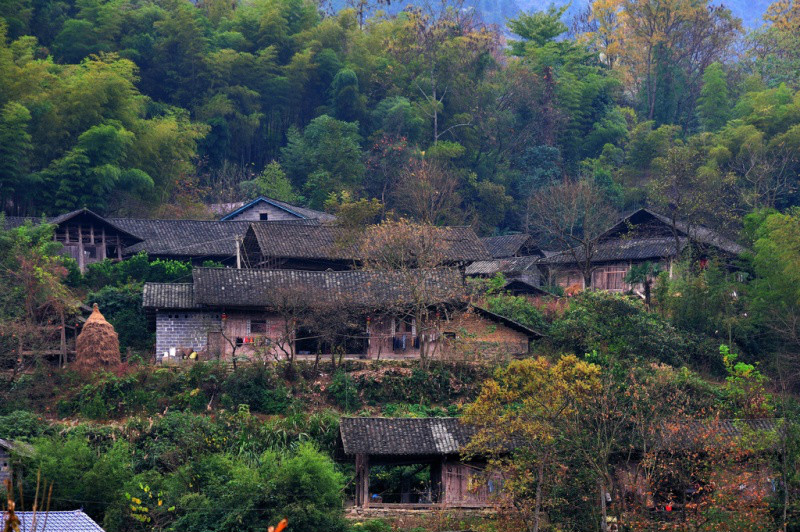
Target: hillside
408	272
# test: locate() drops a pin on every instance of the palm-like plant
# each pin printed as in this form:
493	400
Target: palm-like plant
644	274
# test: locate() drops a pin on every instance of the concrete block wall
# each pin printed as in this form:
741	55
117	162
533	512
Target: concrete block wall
183	329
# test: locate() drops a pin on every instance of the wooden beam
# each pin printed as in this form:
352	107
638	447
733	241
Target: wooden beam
362	480
81	257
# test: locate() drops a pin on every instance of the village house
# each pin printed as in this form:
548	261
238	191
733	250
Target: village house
699	458
643	236
434	444
283	314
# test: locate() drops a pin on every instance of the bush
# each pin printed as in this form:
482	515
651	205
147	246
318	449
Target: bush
122	307
22	425
343	391
308	491
519	309
620	326
82	475
258	387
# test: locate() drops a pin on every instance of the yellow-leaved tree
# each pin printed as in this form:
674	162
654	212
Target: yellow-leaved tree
520	415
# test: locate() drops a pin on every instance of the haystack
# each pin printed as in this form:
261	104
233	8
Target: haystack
98	344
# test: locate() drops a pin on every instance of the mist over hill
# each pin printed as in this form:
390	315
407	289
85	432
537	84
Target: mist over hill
500	11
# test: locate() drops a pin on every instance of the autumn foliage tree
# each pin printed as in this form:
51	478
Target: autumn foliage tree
520	415
412	253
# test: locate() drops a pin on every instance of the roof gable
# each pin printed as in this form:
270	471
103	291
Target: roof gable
295	210
505	246
12	222
645	223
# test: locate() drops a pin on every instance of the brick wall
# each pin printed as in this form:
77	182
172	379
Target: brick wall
184	329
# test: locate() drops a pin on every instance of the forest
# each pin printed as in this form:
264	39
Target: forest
155	109
422	115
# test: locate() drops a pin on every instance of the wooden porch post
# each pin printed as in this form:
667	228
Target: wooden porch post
437	476
63	354
81	257
362	480
102	255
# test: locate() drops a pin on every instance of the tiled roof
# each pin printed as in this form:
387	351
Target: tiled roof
285	241
509	266
184	238
624	249
300	212
268	288
281	240
71	521
505	246
644	221
169	296
716	432
18	447
403	436
12	222
508	322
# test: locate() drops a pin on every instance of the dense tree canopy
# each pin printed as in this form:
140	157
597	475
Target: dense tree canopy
124	106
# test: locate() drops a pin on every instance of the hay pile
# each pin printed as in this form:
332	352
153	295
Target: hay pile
97	346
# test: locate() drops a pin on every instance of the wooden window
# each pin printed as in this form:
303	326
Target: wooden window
611	278
258	326
570	278
263	216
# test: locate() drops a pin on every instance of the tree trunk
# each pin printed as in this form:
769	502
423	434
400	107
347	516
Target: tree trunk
537	509
603	509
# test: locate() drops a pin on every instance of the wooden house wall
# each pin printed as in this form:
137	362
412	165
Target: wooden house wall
88	243
203	331
466	484
608	277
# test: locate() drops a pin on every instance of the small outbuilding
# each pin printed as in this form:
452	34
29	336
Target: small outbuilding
433	442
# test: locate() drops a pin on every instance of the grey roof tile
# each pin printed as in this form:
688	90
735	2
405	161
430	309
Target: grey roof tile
506	245
169	296
624	249
268	288
404	436
286	241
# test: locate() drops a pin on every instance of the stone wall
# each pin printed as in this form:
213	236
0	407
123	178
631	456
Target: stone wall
184	329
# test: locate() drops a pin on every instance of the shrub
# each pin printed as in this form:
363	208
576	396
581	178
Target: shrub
619	325
122	307
22	425
259	387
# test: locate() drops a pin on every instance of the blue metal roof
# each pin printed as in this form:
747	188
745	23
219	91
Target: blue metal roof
71	521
